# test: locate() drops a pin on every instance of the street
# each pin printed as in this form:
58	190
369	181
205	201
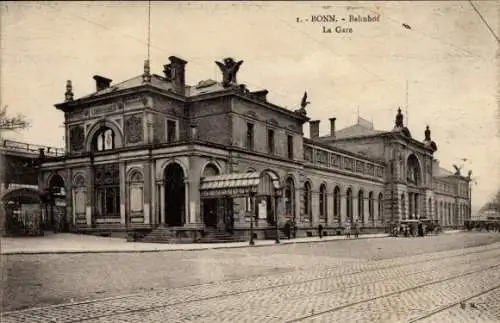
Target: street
445	278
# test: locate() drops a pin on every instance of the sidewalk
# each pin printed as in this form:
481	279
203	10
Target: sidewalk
79	243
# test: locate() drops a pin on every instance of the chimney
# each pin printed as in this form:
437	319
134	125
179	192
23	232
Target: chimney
314	129
260	95
175	73
101	82
332	126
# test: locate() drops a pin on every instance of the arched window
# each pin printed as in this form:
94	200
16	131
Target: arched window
210	170
441	213
403	207
104	139
290	198
371	207
322	203
136	192
336	203
307	201
361	206
381	207
413	170
349	208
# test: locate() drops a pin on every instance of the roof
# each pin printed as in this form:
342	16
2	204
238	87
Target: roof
357	130
206	86
442	172
156	81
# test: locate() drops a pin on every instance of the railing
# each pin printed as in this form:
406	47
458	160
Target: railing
336	160
31	148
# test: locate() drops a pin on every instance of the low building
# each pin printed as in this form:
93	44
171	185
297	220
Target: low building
154	153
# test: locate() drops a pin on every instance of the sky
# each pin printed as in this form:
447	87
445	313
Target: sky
447	57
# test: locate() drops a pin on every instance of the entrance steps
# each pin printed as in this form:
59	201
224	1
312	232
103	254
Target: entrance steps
271	234
215	236
164	234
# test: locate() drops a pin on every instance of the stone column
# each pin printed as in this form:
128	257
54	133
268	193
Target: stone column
147	192
162	202
123	194
90	196
417	197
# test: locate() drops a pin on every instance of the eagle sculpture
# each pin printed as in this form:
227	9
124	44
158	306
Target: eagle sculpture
457	169
304	102
229	70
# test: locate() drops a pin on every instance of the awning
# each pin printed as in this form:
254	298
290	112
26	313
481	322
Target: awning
237	184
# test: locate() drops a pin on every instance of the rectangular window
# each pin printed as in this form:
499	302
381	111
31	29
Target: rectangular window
250	136
171	131
270	141
290	146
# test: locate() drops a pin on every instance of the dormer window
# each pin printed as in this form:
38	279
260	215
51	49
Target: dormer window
104	139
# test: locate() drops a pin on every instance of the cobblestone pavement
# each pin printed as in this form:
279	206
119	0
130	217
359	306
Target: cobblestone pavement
314	288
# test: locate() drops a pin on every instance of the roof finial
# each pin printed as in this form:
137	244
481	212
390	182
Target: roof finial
146	77
399	119
69	91
427	134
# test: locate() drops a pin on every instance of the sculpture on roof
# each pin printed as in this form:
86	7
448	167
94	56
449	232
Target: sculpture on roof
399	119
427	134
457	169
229	70
68	95
303	105
428	141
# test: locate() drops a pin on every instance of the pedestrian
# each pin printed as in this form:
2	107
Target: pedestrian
420	229
356	229
288	229
347	230
320	231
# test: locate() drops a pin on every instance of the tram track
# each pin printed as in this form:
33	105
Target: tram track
455	303
434	282
425	262
426	267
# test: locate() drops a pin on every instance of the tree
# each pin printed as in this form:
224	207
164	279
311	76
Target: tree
9	123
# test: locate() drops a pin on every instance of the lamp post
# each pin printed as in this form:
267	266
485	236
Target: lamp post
278	194
252	214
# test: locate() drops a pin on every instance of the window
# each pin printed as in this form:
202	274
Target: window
403	207
336	203
171	130
107	188
290	198
270	141
381	207
290	146
136	195
322	203
371	206
307	201
349	205
104	140
361	206
250	136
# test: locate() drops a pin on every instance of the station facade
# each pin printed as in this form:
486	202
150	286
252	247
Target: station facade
152	153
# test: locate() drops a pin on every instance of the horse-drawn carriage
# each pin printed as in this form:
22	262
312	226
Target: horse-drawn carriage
415	227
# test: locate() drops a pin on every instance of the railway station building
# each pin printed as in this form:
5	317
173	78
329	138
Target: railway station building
179	162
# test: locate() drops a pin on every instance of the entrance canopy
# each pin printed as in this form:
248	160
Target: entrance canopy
238	184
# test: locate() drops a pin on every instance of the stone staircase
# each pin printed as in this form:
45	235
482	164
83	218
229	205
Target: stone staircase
271	234
216	236
164	234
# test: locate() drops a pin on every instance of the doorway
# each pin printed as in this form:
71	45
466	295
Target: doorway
175	194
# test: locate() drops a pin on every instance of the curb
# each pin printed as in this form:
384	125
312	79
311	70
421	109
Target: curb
172	250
